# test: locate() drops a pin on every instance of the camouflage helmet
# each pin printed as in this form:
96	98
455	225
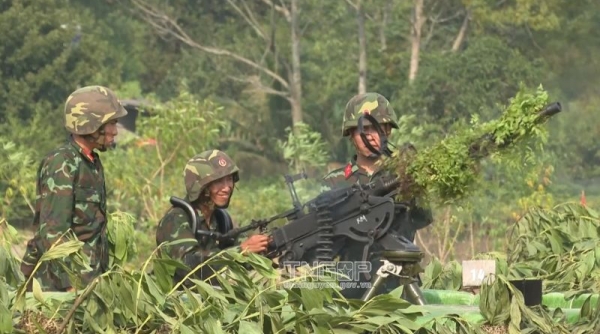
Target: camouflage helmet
88	108
205	168
375	104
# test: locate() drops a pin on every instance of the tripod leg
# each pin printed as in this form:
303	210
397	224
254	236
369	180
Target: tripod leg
414	293
382	273
371	292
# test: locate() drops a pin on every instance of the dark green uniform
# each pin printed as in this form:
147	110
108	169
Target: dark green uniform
175	226
71	193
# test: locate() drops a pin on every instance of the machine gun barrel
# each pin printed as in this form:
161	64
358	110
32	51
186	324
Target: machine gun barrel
261	223
483	146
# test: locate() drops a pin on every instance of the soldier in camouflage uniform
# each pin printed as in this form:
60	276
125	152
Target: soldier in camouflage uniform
363	169
71	193
209	179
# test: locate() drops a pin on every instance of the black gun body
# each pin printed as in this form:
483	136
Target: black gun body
352	213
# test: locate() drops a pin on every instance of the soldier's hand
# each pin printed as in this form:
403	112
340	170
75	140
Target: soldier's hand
256	243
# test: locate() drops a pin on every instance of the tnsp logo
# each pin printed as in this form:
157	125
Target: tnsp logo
342	271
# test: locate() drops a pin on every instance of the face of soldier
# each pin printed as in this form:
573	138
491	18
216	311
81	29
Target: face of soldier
220	191
110	132
372	137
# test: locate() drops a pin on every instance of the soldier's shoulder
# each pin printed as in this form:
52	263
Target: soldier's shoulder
335	173
338	176
175	214
63	158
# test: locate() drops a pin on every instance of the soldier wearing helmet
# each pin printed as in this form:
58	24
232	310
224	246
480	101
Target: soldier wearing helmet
71	193
209	179
363	168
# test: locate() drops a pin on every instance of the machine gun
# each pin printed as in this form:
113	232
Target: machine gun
363	213
360	212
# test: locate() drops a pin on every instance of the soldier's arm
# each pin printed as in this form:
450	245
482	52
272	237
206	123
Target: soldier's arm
56	182
175	227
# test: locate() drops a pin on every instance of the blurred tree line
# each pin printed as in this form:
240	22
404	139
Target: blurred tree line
276	75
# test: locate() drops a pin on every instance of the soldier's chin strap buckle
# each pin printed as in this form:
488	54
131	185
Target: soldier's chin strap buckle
383	140
101	140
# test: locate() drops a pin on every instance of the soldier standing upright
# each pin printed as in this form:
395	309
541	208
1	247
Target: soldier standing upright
71	193
209	179
362	169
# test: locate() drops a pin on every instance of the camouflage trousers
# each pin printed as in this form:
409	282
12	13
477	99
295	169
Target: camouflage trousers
51	274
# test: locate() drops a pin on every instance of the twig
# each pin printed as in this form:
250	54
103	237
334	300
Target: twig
355	7
163	163
282	9
255	82
472	239
27	200
423	244
78	302
531	36
248	18
169	26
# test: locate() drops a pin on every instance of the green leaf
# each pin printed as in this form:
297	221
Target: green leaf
247	327
37	291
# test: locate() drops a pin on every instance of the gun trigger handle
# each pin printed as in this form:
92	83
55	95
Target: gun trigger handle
366	254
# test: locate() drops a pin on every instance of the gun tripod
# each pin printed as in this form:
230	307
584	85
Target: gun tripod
403	265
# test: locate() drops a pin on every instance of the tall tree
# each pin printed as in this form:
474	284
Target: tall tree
262	72
49	48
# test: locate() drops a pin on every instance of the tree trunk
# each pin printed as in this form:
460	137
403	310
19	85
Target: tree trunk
296	82
416	27
461	33
384	21
362	50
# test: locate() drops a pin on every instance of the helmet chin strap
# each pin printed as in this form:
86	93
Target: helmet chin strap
228	201
101	140
384	149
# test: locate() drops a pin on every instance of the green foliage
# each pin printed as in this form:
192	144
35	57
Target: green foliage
143	177
263	302
49	48
452	87
10	270
17	180
447	170
303	148
442	276
537	16
122	246
560	245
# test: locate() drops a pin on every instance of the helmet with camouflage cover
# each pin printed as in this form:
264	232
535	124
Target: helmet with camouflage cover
88	108
373	103
205	168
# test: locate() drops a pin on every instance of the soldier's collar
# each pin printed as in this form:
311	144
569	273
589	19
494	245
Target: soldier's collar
87	153
352	167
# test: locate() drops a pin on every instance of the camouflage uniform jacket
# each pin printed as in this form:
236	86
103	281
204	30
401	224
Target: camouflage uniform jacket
71	195
350	250
175	226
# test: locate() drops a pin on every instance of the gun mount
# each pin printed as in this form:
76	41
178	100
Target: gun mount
361	213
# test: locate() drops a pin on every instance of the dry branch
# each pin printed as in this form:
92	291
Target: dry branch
169	26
